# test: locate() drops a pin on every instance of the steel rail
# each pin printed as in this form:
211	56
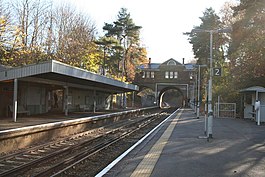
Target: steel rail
37	154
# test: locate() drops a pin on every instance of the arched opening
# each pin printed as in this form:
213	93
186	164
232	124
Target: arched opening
171	97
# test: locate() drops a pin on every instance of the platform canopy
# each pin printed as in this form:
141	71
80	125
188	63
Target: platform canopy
57	73
253	89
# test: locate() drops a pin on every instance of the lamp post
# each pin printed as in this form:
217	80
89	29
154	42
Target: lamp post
123	69
199	85
210	110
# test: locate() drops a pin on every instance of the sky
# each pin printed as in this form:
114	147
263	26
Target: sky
163	22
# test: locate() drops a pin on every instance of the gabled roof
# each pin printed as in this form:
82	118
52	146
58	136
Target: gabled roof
171	61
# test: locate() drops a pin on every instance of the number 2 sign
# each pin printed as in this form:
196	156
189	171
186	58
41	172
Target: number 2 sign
217	71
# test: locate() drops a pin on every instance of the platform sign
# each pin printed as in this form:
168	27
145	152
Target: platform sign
217	71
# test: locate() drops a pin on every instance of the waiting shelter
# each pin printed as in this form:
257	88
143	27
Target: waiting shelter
254	103
54	86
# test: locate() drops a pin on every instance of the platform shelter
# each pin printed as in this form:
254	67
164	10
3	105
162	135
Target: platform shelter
254	103
53	86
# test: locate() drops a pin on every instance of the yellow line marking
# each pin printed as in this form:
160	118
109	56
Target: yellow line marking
146	166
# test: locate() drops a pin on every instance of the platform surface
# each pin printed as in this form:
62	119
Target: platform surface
8	123
178	149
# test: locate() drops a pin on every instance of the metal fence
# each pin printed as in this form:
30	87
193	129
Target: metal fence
225	110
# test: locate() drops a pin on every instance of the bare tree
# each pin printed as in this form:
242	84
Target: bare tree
30	15
43	32
7	32
75	33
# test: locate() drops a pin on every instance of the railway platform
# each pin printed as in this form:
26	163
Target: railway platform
7	123
24	121
178	149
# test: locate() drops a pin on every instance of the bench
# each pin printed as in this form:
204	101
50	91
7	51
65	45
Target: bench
84	108
253	114
20	110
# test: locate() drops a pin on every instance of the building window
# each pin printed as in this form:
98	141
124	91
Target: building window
143	76
166	75
171	74
175	74
171	62
147	74
152	74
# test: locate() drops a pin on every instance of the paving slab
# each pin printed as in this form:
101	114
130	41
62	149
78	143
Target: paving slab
237	149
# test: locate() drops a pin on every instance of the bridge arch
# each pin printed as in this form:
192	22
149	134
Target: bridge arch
169	75
171	96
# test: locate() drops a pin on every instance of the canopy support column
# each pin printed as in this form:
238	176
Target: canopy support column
94	102
66	100
15	100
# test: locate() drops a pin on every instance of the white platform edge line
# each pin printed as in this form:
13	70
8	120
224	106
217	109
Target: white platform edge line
113	163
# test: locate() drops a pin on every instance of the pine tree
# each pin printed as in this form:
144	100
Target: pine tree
127	33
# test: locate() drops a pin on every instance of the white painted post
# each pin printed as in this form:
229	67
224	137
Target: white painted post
15	101
210	113
257	109
258	114
156	95
199	85
210	110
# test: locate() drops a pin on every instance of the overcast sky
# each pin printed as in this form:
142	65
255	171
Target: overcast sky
163	22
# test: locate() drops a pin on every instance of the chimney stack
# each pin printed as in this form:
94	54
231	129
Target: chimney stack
149	63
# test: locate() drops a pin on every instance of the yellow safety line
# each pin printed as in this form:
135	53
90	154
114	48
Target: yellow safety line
145	168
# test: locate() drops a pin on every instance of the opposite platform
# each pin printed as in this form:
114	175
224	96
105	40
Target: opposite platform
237	149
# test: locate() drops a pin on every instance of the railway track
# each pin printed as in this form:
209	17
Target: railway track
58	156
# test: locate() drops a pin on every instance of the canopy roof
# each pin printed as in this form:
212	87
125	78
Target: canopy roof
253	89
57	73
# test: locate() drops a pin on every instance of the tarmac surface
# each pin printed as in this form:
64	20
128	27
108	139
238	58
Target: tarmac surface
179	149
